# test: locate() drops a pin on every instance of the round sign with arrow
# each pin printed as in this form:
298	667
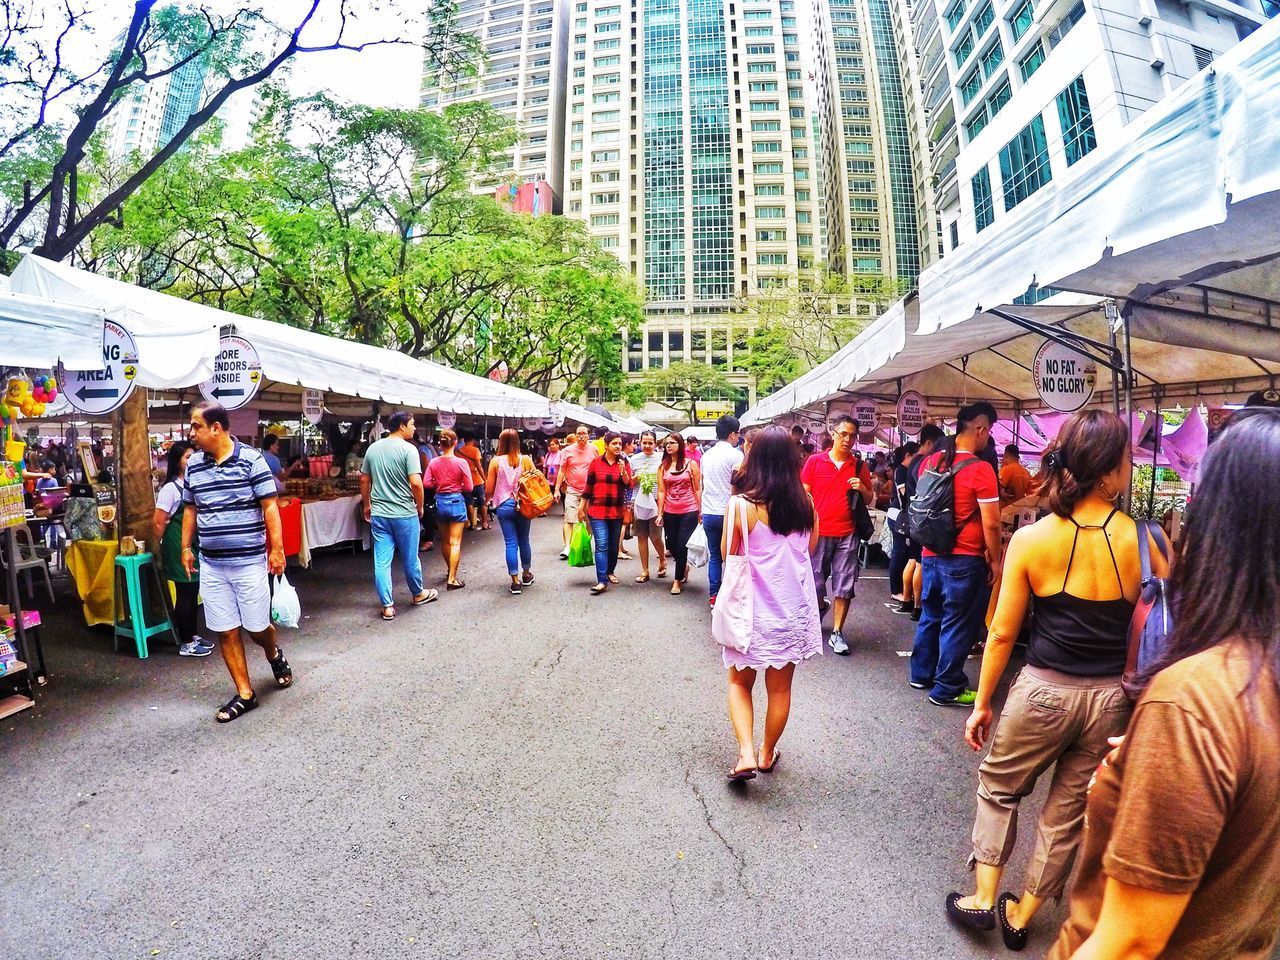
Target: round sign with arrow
100	391
237	374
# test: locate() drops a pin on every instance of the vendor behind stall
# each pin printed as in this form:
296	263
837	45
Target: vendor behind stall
167	524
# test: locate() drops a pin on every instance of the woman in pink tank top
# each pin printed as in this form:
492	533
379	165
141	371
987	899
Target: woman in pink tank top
781	530
502	487
679	503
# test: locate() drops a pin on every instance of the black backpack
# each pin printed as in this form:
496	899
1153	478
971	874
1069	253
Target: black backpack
931	520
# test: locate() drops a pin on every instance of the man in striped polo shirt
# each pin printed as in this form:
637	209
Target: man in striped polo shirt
230	500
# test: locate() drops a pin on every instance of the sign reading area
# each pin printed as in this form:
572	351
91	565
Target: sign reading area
1064	378
237	373
101	391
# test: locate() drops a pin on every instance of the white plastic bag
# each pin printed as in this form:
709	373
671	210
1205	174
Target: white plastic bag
699	552
286	609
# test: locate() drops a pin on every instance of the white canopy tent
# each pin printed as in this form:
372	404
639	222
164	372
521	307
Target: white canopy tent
1180	224
35	332
178	340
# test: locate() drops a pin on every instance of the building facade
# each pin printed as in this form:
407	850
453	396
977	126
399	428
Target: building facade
524	78
1020	93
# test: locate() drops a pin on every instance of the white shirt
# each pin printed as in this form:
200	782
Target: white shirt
718	465
169	499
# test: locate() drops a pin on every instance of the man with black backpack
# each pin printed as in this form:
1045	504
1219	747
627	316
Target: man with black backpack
955	517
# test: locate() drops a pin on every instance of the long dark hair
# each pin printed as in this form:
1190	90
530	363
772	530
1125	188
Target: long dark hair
1089	445
771	478
1226	580
173	459
678	462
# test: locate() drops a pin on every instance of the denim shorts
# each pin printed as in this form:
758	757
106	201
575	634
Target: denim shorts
451	508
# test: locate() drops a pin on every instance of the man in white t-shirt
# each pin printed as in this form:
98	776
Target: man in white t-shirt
718	466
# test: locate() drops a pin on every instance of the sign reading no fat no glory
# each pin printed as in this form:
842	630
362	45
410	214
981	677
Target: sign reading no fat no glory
101	391
1064	378
237	373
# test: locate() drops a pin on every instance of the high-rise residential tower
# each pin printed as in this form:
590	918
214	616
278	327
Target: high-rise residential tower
690	155
865	80
524	78
1020	93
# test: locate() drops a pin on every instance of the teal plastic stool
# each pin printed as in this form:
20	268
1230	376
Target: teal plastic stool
131	606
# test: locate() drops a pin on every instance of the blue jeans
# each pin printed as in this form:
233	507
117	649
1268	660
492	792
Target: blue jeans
954	601
515	533
607	535
713	527
389	535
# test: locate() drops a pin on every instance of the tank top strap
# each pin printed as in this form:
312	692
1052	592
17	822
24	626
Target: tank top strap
1071	556
1115	566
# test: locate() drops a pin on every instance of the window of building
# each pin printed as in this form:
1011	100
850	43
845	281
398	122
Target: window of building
997	100
804	240
613	26
992	58
759	31
757	15
606	176
771	236
865	244
800	153
609	61
764	106
955	15
770	213
768	189
984	210
575	146
604	136
606	97
766	146
580	23
986	16
1022	19
575	165
976	124
964	48
955	234
763	86
579	55
579	72
804	216
1078	137
802	174
797	113
1024	164
761	68
794	75
1031	62
605	116
799	133
576	127
608	241
864	205
611	197
766	126
771	259
611	11
1074	16
759	49
970	86
603	156
764	169
802	196
604	78
611	44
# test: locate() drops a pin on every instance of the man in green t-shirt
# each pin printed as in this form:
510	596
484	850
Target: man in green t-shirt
391	489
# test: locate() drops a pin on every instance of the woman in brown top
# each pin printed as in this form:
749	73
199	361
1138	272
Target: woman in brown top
1181	854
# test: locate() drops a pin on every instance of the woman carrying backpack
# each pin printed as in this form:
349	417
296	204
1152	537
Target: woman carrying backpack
502	487
1181	854
1082	570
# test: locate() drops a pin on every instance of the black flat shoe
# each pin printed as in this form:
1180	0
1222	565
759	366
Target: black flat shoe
973	919
1014	938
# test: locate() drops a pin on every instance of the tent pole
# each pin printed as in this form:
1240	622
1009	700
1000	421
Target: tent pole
1126	319
1155	457
1017	421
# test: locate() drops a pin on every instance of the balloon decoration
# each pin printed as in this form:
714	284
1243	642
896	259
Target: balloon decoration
23	399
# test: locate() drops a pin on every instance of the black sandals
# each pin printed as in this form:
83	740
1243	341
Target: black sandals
281	669
235	707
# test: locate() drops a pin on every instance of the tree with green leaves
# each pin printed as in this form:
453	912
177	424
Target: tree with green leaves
361	225
803	319
681	385
52	108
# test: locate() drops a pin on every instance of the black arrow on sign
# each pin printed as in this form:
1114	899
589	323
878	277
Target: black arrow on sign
220	393
100	394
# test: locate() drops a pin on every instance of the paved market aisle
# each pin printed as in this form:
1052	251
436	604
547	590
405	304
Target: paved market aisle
488	776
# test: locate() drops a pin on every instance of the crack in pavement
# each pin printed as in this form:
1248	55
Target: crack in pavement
733	852
554	663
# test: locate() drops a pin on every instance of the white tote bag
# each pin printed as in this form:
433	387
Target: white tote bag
733	616
699	551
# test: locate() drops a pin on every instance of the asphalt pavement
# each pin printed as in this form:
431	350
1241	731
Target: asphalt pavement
487	776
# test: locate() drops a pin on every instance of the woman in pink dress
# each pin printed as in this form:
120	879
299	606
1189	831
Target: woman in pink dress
781	530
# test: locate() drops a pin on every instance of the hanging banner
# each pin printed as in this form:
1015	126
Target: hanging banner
237	373
101	391
912	412
446	419
312	405
866	414
548	424
1064	378
532	423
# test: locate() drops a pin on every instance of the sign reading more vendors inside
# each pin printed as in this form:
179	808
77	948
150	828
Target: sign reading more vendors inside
101	391
237	373
1064	378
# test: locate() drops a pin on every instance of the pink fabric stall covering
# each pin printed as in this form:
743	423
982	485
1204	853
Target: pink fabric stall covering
1050	423
1185	447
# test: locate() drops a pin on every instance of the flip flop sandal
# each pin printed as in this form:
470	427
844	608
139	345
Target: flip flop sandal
613	578
236	706
777	755
748	774
281	670
662	573
455	586
598	589
384	613
643	578
426	597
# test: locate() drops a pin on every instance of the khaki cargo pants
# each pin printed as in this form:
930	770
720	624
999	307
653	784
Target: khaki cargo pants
1050	719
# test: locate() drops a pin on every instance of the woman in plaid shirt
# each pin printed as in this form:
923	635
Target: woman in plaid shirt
608	479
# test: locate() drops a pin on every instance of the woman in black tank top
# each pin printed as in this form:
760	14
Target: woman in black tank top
1067	701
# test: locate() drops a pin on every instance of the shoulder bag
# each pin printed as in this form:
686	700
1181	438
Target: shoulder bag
533	491
733	616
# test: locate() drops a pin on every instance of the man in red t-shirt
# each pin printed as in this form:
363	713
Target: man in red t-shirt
830	477
957	585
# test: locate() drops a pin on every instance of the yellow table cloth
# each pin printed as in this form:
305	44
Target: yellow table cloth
92	564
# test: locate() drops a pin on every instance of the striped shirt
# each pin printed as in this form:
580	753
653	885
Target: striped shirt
228	500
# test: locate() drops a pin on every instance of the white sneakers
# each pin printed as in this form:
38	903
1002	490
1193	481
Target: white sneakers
837	643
